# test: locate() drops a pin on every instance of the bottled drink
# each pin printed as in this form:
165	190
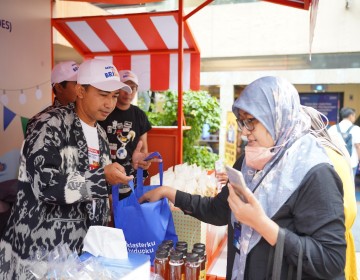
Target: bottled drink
201	246
182	250
176	266
161	264
165	247
169	243
219	168
192	267
182	244
202	263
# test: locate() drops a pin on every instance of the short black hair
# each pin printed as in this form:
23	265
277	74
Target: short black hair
63	84
346	112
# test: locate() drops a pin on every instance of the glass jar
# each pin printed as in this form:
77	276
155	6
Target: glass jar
192	267
176	266
201	246
161	264
202	263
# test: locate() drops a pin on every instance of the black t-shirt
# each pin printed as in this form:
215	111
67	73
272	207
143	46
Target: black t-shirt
123	129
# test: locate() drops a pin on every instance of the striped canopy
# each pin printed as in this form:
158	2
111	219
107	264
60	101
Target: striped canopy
146	43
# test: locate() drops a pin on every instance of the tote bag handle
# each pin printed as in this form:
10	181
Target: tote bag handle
139	172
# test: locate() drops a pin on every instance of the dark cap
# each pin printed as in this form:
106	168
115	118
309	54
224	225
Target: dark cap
176	256
192	257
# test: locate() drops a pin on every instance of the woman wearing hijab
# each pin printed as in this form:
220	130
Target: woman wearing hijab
294	205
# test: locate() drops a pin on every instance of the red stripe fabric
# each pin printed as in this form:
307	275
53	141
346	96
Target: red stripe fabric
122	62
160	69
148	32
107	34
195	71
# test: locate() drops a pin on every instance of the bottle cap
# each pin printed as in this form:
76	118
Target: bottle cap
192	257
161	254
199	251
199	245
176	256
181	249
168	242
164	247
182	243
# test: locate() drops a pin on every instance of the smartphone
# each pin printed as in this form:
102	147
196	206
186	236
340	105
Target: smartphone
236	179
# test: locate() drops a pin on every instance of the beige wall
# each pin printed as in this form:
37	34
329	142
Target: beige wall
263	28
25	65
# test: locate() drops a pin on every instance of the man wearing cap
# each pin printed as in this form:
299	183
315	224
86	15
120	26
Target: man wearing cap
348	116
65	173
125	127
63	82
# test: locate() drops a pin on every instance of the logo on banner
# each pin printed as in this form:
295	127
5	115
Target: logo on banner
141	248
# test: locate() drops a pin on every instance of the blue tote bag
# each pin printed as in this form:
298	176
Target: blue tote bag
144	225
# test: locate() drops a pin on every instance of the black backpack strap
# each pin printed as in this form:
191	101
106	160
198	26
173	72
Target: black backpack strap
290	272
278	255
300	262
270	262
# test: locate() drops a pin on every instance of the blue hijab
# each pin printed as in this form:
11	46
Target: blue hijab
275	103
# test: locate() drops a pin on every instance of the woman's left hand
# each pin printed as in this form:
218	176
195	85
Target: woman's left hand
245	212
252	214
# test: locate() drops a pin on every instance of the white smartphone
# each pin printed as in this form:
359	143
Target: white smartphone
236	179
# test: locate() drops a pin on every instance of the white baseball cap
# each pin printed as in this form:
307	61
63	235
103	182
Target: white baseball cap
100	74
127	75
64	71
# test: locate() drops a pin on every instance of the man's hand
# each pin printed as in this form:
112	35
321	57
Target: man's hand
138	158
115	174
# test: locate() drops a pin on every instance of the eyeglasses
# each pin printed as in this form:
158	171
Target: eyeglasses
247	123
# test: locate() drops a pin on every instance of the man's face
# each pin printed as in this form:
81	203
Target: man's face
126	98
353	118
93	104
66	92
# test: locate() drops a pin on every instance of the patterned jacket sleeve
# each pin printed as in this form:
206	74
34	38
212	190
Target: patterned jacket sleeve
56	167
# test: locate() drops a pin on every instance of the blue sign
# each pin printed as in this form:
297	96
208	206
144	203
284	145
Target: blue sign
326	103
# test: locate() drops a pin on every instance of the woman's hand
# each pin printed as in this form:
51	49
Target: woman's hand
221	177
159	193
252	214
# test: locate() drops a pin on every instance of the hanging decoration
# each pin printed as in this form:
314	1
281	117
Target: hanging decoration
38	93
4	98
24	122
8	117
8	114
22	98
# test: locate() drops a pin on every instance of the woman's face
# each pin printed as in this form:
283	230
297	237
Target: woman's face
257	136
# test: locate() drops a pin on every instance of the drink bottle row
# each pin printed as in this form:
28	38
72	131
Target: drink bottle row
177	263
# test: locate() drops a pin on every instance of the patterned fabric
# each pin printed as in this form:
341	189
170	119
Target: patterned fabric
30	123
275	103
56	190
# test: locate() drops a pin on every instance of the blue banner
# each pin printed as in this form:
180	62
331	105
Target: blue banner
326	103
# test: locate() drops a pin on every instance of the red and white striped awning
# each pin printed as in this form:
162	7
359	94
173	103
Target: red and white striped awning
146	43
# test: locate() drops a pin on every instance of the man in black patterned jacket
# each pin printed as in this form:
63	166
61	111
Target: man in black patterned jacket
65	173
